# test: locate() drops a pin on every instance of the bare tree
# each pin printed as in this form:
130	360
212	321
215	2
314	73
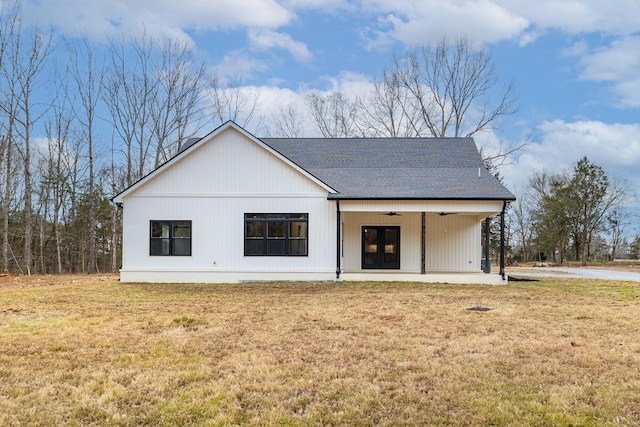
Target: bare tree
617	222
129	88
287	123
175	105
231	100
24	58
451	87
115	215
56	173
519	217
446	90
9	25
88	76
76	166
335	115
385	112
152	89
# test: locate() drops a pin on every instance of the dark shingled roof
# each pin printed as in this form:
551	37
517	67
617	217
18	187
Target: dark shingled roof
394	168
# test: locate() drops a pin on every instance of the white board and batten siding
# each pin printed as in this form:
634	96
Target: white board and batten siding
453	243
213	186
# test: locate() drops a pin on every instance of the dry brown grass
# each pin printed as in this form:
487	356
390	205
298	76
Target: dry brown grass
83	351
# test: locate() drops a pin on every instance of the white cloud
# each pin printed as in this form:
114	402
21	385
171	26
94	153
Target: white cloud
408	21
417	22
617	64
423	21
577	49
615	147
100	18
351	84
578	16
267	40
324	5
238	64
274	99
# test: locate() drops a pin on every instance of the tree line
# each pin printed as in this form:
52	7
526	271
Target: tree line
59	167
576	215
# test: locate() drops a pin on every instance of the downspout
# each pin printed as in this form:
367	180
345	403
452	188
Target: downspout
423	245
337	239
487	245
504	208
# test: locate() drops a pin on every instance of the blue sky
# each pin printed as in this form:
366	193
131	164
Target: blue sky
575	63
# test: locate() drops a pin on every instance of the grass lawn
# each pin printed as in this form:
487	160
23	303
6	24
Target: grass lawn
94	351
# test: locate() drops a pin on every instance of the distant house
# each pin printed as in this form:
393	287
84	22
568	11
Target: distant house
232	207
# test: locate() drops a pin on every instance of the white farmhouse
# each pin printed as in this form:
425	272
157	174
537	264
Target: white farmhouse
232	207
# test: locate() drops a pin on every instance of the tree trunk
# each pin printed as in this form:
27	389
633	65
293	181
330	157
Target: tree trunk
27	205
5	209
93	263
585	244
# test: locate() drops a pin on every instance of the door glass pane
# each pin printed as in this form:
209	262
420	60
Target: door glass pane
370	242
390	246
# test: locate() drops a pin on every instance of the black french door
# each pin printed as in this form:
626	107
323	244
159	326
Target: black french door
380	247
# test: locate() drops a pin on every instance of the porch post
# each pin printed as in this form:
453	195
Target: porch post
504	207
487	245
338	239
423	244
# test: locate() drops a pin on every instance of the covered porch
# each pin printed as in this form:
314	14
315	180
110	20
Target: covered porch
416	240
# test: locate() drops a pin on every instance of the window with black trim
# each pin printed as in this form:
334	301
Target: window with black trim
276	234
170	238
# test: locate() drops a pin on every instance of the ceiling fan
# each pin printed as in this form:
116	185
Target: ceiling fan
447	213
392	213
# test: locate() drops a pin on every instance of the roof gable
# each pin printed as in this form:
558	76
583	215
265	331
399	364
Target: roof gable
163	178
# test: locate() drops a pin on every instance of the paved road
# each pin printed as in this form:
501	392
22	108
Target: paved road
587	273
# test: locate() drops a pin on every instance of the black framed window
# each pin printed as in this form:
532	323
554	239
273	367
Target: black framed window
170	238
276	234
